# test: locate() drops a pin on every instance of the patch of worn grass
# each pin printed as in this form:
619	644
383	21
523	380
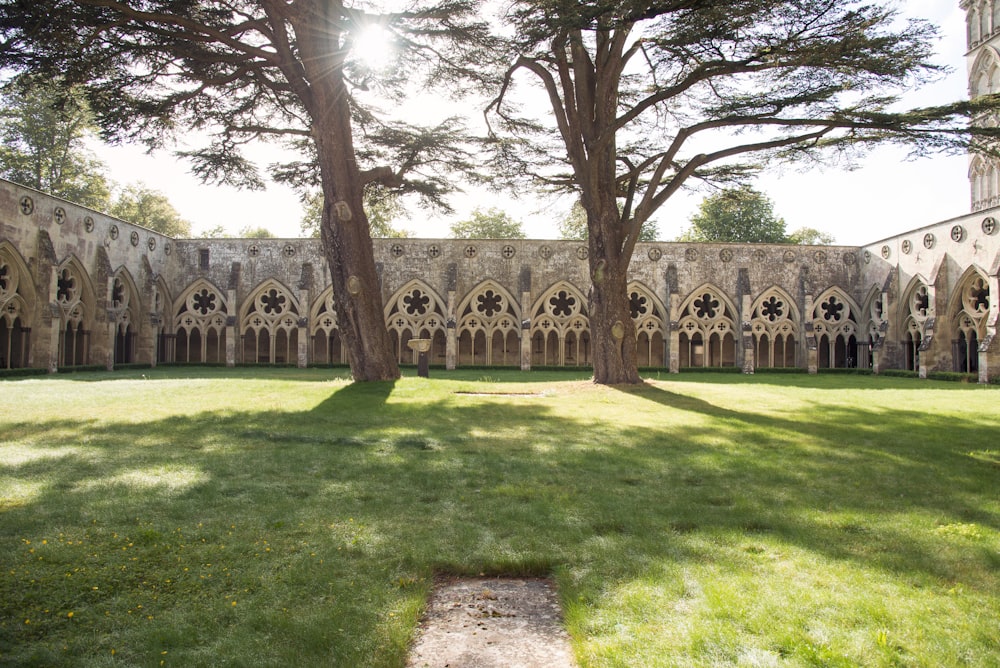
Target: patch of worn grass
285	517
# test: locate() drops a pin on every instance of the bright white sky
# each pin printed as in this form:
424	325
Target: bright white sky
886	195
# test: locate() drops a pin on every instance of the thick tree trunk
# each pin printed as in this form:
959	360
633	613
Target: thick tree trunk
358	296
346	238
611	328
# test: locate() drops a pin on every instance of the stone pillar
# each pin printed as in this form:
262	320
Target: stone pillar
55	332
989	348
878	348
927	345
525	335
153	345
232	331
303	324
749	357
812	361
674	333
451	335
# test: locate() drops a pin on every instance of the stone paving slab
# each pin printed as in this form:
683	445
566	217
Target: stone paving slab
492	623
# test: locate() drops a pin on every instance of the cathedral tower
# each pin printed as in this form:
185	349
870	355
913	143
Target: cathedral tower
983	61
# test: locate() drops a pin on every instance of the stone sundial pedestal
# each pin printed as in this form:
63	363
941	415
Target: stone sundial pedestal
422	346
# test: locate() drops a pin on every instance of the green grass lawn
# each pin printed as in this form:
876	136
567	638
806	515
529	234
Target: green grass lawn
274	517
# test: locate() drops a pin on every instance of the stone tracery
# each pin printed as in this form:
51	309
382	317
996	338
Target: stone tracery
200	324
269	326
16	302
416	311
560	327
834	320
76	309
124	316
648	317
489	327
707	329
968	311
774	325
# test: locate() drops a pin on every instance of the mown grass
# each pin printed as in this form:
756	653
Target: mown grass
282	517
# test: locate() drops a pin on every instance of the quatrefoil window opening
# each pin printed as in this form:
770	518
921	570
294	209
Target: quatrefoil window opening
562	304
877	308
979	296
832	310
66	287
416	302
489	303
4	278
637	305
706	306
921	301
272	302
203	302
772	309
118	294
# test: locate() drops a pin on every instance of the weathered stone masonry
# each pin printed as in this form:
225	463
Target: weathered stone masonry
78	287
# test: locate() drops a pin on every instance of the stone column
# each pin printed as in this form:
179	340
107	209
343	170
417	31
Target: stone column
927	345
989	348
812	361
232	330
749	357
525	334
674	333
303	323
451	335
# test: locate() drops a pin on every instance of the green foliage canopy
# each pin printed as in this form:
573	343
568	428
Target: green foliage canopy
574	226
382	206
43	131
489	224
746	215
737	214
142	205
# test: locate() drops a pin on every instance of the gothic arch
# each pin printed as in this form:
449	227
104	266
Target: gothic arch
915	309
17	308
77	302
984	183
416	311
874	324
968	308
269	324
200	315
560	327
835	323
648	316
489	326
774	323
125	311
162	322
707	327
982	19
324	332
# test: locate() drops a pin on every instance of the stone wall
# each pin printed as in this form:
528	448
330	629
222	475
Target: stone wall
79	287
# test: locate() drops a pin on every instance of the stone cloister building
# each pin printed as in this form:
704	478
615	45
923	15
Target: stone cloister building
78	287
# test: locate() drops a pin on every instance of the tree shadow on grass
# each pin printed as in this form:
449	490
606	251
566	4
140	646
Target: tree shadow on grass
343	512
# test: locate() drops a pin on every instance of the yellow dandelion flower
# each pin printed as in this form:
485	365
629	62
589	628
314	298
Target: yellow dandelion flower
70	614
